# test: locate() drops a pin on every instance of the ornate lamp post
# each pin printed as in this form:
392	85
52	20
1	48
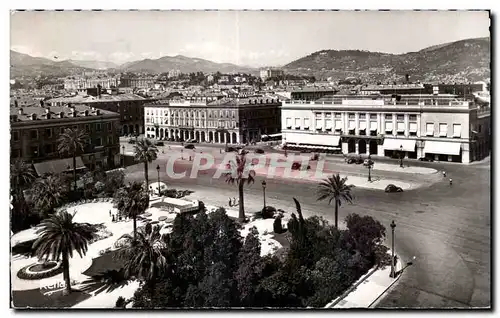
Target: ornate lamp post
264	192
123	156
158	170
401	156
393	272
369	165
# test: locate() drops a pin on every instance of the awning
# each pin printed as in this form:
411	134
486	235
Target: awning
395	144
313	139
442	148
58	166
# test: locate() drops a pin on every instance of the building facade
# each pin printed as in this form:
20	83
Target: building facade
35	130
130	107
271	73
231	121
137	82
441	127
84	83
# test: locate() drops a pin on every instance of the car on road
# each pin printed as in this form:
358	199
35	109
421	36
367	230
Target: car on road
159	143
131	141
231	149
428	159
393	188
298	166
259	151
189	146
356	160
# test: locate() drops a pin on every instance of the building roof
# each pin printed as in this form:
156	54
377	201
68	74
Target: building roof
41	112
397	86
313	89
94	99
58	166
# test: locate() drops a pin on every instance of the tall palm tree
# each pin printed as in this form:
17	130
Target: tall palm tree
132	201
58	237
335	189
72	142
143	255
145	151
21	176
240	174
47	193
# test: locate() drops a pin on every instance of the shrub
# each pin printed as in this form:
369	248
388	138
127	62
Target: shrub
277	226
99	186
121	302
23	274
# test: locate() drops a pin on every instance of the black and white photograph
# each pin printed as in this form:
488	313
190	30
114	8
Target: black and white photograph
250	159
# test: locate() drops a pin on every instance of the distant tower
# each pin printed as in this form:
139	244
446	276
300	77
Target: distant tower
407	77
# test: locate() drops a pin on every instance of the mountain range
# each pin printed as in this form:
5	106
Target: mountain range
465	60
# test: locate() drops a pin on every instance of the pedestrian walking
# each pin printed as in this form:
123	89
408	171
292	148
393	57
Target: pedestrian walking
451	181
444	174
109	212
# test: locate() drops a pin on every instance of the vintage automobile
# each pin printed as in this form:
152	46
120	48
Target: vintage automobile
356	160
426	159
189	146
392	188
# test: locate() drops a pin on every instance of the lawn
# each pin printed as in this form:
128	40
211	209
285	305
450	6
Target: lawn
35	298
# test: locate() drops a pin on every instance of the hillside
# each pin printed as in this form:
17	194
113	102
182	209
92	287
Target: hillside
97	65
184	64
29	66
465	60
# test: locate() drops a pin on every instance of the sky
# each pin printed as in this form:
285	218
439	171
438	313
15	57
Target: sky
251	38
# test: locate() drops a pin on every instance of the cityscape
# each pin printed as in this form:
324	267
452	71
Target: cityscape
215	159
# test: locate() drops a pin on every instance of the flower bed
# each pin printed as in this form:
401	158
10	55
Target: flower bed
40	270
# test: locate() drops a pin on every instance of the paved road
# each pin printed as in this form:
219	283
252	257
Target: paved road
446	227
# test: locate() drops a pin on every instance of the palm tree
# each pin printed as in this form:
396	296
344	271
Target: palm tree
240	175
145	151
143	255
47	193
132	201
335	189
21	176
71	142
58	237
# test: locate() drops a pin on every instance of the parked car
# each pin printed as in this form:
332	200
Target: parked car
131	141
259	151
159	143
231	149
426	159
298	166
356	160
392	188
189	146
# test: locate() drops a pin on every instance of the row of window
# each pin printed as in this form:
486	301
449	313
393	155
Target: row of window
443	130
34	134
195	123
362	116
401	127
192	114
52	148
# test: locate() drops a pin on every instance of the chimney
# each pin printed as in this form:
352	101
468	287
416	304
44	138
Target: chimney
41	103
20	111
407	77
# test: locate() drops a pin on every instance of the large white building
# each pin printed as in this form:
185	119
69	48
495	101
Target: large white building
439	126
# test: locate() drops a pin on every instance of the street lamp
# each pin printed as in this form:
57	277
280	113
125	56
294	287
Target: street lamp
393	273
264	192
370	167
401	156
158	170
123	156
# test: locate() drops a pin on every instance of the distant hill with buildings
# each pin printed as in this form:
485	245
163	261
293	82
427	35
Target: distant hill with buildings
460	61
29	66
184	64
97	65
